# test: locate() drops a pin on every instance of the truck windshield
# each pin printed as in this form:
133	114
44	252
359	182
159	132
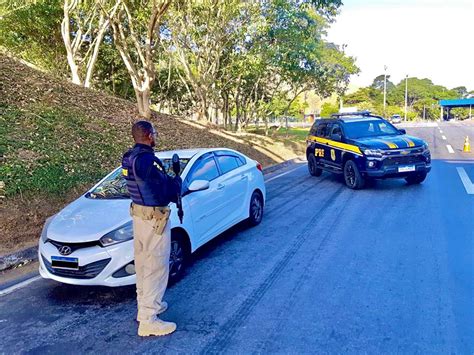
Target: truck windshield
115	186
369	128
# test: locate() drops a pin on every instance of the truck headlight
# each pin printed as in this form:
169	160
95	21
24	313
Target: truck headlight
44	232
373	152
426	150
119	235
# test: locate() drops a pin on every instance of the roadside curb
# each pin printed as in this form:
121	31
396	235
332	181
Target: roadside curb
23	256
14	259
272	168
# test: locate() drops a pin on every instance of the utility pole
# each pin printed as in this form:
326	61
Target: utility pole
406	96
384	89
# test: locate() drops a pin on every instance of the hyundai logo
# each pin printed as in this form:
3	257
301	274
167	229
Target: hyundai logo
65	250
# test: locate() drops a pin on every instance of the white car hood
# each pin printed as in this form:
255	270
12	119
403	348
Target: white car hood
86	220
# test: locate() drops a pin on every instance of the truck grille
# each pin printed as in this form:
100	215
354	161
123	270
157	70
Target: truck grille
403	160
88	271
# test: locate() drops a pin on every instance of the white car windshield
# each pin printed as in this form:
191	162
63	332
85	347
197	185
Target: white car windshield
115	186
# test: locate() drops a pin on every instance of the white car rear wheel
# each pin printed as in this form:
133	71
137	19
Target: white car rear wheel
255	209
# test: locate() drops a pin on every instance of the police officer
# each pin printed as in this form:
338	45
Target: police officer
151	190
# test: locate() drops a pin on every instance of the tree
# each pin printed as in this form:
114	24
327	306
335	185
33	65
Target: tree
328	109
135	27
83	28
378	83
461	91
201	34
368	94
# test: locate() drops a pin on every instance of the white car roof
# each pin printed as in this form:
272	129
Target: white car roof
188	153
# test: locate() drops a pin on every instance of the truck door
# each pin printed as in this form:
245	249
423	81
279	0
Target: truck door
334	153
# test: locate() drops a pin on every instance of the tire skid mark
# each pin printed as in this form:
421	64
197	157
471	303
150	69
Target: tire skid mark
309	266
286	187
221	339
289	203
296	190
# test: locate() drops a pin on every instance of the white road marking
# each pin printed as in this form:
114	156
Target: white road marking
444	137
450	149
283	174
468	185
440	131
19	285
459	161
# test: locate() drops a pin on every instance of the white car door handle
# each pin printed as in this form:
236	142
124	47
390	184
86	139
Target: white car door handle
244	177
220	186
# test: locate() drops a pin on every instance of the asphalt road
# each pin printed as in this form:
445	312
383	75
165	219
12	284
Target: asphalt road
388	269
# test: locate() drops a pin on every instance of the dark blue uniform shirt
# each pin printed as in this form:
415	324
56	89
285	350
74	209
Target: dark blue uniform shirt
155	187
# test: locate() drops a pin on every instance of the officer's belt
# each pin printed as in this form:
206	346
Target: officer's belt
159	214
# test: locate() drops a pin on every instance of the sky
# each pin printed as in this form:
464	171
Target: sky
419	38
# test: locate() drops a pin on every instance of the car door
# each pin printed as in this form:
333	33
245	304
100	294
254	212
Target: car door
235	178
207	207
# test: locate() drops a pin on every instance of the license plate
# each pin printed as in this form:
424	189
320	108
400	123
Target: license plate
64	262
405	169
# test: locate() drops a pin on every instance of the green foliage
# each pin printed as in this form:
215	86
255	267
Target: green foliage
52	150
378	83
328	109
31	31
423	97
460	113
364	95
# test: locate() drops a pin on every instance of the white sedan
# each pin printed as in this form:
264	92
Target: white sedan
90	242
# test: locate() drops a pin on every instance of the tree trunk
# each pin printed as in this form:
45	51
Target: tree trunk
66	34
103	25
237	115
225	110
143	102
75	78
203	114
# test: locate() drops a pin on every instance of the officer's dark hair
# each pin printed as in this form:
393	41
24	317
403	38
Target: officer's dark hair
141	130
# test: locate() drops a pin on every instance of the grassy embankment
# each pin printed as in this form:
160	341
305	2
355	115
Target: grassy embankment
57	139
295	135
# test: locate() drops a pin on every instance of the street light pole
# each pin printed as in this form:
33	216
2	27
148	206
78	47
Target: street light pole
406	96
384	89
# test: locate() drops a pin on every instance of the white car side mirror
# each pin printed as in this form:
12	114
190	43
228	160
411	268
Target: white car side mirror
198	185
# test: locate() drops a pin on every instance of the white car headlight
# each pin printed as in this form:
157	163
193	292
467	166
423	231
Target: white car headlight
373	152
44	232
119	235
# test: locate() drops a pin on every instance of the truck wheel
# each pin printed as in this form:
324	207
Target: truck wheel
417	178
313	167
352	176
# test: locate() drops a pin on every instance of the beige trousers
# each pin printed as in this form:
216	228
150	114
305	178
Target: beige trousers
152	253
